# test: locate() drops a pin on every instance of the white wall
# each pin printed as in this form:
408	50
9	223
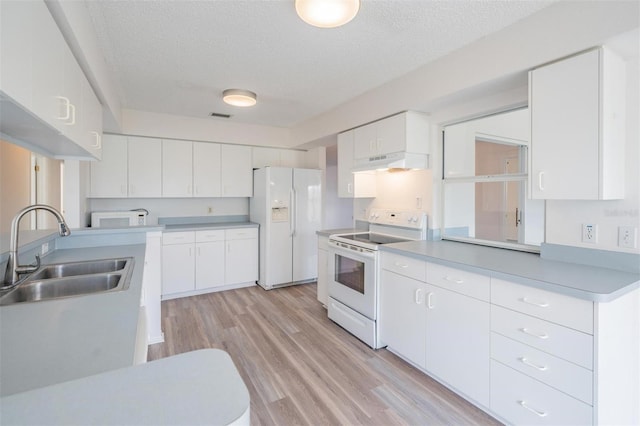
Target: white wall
15	185
142	123
174	207
410	190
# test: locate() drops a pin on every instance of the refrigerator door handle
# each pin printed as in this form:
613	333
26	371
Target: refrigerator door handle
292	211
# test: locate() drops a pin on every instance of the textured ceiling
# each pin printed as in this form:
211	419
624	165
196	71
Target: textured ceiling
177	57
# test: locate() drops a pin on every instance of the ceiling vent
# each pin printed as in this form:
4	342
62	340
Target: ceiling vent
219	115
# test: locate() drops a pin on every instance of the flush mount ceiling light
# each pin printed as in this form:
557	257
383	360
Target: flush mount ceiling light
327	13
239	97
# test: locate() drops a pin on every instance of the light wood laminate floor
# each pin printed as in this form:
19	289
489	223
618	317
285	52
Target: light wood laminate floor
301	368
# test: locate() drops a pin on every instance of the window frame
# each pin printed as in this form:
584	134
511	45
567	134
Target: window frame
522	177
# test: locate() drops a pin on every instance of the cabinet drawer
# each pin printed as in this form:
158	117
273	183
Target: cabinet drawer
403	265
241	233
178	238
563	342
554	307
555	372
468	283
210	235
521	400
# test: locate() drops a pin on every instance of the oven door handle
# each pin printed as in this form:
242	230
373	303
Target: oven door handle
352	254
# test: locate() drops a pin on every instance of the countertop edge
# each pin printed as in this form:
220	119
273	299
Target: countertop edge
625	282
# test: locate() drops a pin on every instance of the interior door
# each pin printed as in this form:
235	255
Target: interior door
307	209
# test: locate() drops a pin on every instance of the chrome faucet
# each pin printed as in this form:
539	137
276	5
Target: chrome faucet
14	269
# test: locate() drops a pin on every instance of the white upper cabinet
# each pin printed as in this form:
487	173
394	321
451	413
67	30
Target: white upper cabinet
237	171
405	132
206	169
145	167
177	166
276	157
109	176
50	106
137	167
352	185
577	110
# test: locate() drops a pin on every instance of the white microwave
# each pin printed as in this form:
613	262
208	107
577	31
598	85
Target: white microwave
118	219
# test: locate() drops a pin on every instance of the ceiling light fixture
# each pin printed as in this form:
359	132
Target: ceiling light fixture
239	97
327	13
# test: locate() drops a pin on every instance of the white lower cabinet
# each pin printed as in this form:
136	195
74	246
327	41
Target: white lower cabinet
458	341
241	257
542	356
195	262
323	270
521	400
403	316
526	355
441	331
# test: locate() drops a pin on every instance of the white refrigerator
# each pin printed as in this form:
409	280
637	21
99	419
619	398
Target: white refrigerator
287	204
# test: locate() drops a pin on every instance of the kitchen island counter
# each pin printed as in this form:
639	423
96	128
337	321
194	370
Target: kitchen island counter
581	281
207	226
200	387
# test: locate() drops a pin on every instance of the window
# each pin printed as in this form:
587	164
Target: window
485	183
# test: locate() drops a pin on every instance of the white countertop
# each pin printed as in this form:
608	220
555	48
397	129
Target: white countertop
194	388
581	281
64	339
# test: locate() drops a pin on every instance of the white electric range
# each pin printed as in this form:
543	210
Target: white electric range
354	269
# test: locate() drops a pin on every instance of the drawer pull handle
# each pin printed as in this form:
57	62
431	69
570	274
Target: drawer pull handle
534	303
525	361
401	265
419	297
454	280
534	334
429	304
538	413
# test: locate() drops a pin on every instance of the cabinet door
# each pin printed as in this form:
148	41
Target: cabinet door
206	169
210	264
178	268
73	77
237	171
91	116
565	128
458	341
263	157
16	50
323	274
145	167
365	141
391	134
48	67
345	163
241	261
403	316
177	157
109	176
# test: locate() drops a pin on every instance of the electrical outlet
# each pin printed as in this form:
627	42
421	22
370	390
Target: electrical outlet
627	236
44	249
589	233
209	210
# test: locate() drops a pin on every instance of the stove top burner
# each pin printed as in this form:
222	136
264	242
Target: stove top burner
372	238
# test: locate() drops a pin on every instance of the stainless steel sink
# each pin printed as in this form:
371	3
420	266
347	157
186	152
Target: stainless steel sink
62	270
72	279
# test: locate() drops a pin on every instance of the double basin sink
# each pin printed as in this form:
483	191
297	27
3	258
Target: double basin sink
60	280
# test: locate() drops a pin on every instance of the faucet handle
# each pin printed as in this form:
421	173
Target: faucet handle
27	269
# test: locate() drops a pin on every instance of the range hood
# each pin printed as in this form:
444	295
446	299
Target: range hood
394	160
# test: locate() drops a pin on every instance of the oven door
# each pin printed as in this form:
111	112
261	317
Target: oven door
353	277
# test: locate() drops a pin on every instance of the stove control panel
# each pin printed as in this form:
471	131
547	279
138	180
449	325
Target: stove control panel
406	218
